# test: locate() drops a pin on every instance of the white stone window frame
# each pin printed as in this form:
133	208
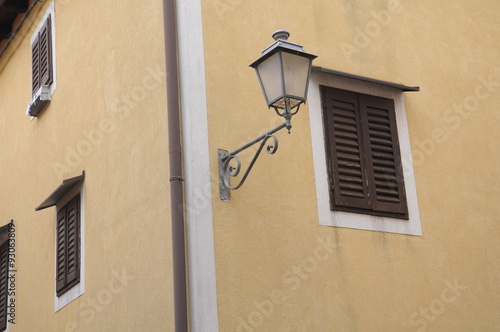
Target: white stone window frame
78	289
326	216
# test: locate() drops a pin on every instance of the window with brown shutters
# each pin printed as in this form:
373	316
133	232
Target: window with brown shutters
68	246
4	281
69	239
41	55
364	159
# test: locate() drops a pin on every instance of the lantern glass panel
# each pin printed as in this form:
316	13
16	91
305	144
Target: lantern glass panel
295	72
270	77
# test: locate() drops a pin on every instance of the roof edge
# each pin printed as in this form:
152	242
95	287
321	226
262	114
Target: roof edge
60	191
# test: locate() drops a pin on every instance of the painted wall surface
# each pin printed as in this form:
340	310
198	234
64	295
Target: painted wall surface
277	269
107	117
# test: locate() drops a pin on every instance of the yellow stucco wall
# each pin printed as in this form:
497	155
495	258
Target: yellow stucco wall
107	117
273	272
276	268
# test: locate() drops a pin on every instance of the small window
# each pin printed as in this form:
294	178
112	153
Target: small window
7	271
68	246
4	281
41	57
365	217
68	198
43	74
362	148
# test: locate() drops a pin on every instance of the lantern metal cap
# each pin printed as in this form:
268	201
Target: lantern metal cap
281	42
281	34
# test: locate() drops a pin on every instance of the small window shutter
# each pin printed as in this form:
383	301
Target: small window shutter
46	53
344	149
73	243
383	159
4	271
35	65
68	246
61	250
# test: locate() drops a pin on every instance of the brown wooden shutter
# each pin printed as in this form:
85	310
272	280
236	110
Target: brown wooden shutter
73	244
364	159
383	158
4	282
46	53
35	65
344	148
41	55
61	250
68	246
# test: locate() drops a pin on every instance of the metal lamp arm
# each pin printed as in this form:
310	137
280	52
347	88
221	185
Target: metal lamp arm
226	171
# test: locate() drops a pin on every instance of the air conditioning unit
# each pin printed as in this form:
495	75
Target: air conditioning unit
39	100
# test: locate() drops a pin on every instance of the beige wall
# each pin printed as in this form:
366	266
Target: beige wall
268	235
107	117
276	268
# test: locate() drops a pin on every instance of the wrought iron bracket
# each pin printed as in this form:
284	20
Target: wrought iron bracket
226	171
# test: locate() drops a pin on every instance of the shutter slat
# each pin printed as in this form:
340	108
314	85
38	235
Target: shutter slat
346	128
387	192
385	177
388	199
343	142
380	133
352	179
352	194
358	187
350	171
342	113
386	184
382	148
377	111
382	155
341	104
384	163
348	149
346	135
374	140
380	126
384	170
344	120
378	120
348	156
348	164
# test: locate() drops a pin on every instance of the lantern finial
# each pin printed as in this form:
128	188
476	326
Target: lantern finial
281	35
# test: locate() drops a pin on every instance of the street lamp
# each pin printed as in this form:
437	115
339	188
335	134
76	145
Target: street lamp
283	70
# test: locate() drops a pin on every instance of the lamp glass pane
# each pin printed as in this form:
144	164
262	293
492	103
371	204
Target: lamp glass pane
295	72
269	73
